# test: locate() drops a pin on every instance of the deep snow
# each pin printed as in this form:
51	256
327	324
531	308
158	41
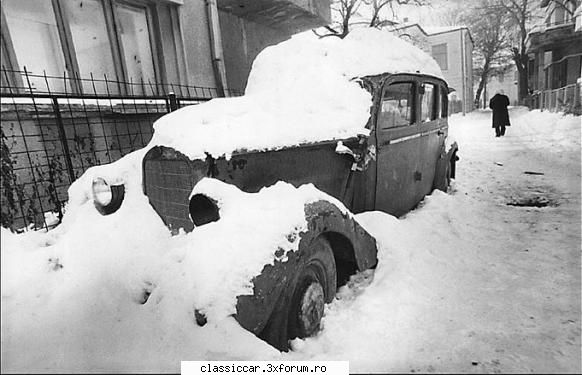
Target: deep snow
301	90
465	283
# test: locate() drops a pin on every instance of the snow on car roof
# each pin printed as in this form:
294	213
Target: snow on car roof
302	90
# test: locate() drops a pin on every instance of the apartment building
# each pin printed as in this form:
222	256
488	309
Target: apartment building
555	57
452	48
209	43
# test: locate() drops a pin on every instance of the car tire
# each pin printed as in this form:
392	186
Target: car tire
448	176
301	305
315	286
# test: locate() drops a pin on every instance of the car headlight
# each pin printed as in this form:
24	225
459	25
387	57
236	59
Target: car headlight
107	198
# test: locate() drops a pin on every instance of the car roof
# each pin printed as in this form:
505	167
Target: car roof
299	91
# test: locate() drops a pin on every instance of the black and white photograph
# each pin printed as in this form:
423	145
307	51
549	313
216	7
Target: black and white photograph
291	186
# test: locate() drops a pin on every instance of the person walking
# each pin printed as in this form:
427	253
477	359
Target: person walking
498	104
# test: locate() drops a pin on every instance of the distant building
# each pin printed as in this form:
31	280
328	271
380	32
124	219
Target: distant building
210	43
555	57
452	48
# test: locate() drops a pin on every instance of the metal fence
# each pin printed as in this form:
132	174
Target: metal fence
50	137
565	99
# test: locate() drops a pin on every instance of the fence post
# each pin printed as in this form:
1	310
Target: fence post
173	102
63	138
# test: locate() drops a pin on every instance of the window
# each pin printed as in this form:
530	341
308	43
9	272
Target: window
135	41
112	39
547	58
439	53
444	102
93	49
559	15
438	106
35	38
427	102
396	106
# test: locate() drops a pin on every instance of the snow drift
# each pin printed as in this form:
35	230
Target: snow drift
451	289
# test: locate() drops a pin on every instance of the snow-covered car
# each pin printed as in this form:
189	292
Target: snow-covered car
363	119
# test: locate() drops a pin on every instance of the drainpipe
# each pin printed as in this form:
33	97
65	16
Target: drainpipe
216	47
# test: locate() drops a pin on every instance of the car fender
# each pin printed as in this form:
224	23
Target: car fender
445	166
323	219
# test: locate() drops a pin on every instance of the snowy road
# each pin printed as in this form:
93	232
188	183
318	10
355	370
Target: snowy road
469	282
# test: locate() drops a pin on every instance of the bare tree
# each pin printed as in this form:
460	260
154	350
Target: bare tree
520	15
377	6
347	10
454	18
487	24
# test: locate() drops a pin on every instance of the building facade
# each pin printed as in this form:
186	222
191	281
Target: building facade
82	81
555	57
207	43
452	48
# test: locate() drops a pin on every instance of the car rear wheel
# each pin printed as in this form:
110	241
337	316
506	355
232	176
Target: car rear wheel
448	175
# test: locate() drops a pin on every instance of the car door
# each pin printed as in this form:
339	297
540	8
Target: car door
397	145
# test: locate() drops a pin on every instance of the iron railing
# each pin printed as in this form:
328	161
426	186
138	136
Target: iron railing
49	137
23	81
564	99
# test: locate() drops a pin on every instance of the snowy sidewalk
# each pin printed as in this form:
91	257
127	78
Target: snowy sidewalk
468	283
476	280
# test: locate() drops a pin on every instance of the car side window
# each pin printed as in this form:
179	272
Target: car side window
427	102
444	102
438	102
396	107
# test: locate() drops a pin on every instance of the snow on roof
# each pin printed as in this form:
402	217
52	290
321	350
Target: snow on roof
299	91
442	29
403	27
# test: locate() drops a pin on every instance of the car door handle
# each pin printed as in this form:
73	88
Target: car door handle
440	132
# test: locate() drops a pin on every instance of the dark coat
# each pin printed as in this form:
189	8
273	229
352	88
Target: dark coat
498	104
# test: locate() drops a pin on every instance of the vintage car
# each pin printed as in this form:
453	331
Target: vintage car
403	157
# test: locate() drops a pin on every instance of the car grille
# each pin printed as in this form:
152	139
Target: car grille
168	179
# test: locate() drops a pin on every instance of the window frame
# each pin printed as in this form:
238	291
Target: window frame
9	60
68	48
68	51
152	37
433	114
413	101
15	76
444	101
445	66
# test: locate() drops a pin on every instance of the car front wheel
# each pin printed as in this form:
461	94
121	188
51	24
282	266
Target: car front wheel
301	305
315	286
